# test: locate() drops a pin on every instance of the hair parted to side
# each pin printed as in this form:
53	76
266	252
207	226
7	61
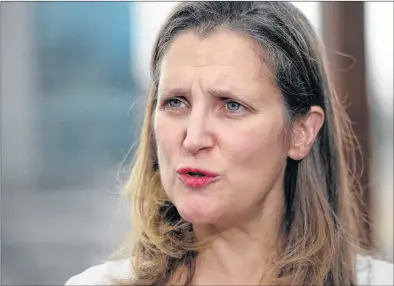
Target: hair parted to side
321	215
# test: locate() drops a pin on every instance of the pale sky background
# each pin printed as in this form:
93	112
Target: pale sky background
379	49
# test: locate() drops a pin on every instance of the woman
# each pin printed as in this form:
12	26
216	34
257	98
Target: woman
240	176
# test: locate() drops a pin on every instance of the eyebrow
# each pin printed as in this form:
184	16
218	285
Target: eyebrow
174	92
221	93
225	93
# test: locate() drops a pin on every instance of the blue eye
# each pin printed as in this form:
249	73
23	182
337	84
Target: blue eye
174	103
233	106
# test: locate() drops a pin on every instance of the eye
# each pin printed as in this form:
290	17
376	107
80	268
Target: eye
234	107
174	103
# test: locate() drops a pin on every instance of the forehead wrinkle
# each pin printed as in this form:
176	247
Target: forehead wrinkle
259	72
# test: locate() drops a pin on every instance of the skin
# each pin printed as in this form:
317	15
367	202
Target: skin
219	110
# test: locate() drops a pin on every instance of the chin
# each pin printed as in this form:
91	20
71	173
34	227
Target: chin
196	213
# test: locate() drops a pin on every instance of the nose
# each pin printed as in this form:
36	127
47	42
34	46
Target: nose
197	136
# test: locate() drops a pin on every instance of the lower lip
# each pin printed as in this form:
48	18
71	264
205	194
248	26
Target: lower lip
197	182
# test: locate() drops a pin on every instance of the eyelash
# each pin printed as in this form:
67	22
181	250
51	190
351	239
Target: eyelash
165	104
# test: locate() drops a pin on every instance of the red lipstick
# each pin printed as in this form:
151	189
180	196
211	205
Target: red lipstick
196	178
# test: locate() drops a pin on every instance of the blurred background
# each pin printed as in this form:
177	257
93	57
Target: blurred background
73	80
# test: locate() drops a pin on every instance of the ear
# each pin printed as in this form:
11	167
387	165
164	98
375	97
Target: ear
304	133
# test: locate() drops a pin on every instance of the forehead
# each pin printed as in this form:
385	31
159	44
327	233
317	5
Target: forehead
223	57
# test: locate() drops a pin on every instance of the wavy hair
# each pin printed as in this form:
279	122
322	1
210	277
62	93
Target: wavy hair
321	214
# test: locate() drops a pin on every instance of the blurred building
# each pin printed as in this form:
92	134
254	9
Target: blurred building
67	88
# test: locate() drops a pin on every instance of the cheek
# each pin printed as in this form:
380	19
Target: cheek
256	162
255	143
167	141
164	135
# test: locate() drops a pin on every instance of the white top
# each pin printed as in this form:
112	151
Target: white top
369	272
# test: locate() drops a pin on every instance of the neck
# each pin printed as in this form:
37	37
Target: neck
241	254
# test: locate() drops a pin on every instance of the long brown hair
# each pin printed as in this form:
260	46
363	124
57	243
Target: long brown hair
321	214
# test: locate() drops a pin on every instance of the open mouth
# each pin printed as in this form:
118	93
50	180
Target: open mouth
196	174
197	178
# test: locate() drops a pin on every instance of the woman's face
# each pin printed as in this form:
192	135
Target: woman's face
219	113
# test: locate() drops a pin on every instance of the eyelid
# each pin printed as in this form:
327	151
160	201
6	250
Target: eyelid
226	100
172	93
165	100
181	98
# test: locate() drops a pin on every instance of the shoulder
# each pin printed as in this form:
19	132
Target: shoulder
372	271
103	274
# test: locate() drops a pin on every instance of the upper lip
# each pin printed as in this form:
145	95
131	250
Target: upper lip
187	170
